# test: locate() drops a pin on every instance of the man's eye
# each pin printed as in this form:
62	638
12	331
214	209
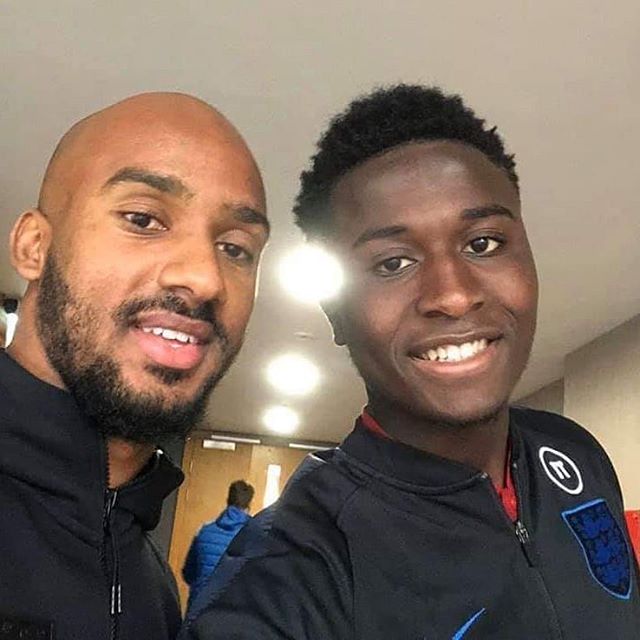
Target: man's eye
394	265
143	221
483	246
236	252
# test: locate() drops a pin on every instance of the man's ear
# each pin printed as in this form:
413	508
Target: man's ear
29	244
332	311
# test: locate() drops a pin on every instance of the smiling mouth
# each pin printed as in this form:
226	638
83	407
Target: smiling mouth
454	353
173	341
175	338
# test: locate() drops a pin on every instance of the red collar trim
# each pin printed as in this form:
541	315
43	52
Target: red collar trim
373	426
507	492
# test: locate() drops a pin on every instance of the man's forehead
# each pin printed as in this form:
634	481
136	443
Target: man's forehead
172	164
421	174
429	164
170	142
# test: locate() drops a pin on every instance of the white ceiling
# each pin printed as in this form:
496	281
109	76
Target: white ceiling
561	79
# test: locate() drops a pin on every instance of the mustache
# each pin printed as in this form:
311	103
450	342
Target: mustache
126	313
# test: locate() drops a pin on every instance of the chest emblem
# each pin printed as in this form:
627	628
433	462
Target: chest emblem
462	631
561	470
604	546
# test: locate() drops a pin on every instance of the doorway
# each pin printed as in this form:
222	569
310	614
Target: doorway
210	466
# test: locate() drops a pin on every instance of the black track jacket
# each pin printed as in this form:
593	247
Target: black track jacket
75	560
378	541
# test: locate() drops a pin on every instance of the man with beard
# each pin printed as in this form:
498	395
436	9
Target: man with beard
141	261
444	514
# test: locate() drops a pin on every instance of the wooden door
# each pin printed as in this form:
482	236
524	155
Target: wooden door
203	495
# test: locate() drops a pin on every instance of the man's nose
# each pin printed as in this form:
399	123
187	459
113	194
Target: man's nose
193	271
449	287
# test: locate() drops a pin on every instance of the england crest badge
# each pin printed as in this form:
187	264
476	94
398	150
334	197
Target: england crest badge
604	546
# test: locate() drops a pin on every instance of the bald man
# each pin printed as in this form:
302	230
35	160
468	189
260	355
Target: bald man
141	261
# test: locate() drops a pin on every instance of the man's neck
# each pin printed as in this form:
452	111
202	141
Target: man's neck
126	460
27	350
482	445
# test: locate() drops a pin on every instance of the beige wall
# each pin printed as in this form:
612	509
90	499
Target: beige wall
549	398
602	393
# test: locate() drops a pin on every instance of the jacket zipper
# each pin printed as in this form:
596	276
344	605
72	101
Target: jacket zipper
112	567
526	544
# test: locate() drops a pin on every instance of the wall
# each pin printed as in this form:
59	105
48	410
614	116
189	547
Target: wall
549	398
602	392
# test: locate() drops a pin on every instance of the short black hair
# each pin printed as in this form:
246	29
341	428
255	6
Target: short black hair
240	494
382	120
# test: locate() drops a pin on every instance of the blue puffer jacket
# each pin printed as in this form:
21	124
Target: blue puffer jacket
208	547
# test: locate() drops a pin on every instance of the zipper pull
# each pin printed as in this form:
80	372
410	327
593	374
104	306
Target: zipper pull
522	533
116	599
110	498
524	538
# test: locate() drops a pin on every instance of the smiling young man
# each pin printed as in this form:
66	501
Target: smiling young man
445	514
141	262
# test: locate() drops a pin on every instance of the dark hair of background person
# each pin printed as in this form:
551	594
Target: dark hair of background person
240	494
382	120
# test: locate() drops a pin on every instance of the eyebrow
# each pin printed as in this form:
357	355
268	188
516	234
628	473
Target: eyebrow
164	183
175	187
247	215
379	233
476	213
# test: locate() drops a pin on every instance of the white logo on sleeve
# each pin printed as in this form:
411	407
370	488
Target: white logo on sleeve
561	470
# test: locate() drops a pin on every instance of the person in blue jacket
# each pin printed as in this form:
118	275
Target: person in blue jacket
214	537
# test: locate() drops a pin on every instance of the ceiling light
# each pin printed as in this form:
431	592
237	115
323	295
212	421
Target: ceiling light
311	274
293	374
281	419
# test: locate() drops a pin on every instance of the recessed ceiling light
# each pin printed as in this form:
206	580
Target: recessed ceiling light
281	419
311	274
293	374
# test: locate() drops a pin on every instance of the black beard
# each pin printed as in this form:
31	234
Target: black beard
66	328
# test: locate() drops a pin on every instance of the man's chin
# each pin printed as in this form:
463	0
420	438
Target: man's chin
168	377
473	415
170	387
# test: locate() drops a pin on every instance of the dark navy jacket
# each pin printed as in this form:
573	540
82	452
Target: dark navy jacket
76	562
208	546
376	540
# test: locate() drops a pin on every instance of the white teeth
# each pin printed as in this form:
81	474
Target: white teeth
170	334
453	353
467	350
456	353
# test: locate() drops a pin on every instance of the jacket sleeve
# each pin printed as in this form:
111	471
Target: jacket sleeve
292	596
190	568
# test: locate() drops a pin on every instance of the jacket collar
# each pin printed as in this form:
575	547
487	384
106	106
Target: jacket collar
400	462
54	452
